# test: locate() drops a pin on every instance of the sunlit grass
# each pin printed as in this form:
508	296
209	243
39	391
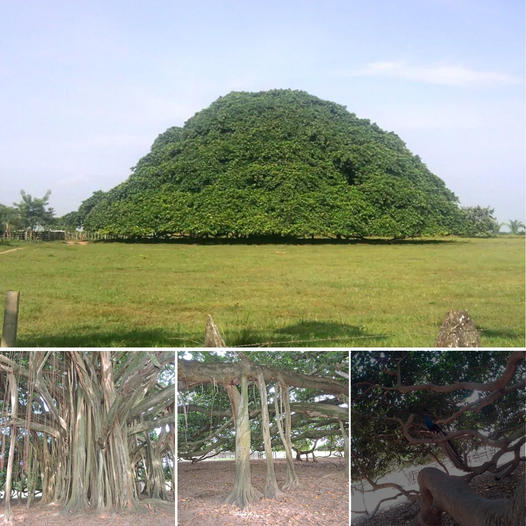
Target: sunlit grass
360	295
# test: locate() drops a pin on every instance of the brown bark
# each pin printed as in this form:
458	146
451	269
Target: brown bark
8	514
243	493
192	372
346	447
271	490
441	493
312	409
83	456
299	452
291	480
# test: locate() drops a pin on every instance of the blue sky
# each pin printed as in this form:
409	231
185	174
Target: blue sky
86	86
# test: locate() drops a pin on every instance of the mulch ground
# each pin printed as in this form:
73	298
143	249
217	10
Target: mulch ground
322	498
52	515
405	514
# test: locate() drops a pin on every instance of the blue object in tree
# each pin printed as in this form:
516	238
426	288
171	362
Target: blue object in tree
432	426
448	447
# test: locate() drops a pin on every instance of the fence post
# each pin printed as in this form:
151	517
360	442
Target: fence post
12	304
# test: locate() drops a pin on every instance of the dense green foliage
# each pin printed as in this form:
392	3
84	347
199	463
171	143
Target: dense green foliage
76	219
479	221
377	441
279	163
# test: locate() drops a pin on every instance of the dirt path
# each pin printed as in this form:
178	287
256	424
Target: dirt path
321	500
10	250
51	515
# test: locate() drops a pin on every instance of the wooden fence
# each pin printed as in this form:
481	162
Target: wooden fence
54	235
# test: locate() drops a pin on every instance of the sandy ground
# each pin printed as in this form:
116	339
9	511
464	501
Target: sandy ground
51	515
322	498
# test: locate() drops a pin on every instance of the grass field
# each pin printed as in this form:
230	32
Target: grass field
359	295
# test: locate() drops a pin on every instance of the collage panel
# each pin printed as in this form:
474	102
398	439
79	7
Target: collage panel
87	437
263	437
438	435
309	214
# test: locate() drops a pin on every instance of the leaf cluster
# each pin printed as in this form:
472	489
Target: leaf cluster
282	164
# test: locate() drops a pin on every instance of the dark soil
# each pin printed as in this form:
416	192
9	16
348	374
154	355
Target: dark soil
322	499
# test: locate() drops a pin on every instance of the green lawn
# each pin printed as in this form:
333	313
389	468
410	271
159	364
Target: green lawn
359	295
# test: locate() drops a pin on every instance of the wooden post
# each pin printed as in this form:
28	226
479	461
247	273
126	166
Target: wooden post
212	335
12	304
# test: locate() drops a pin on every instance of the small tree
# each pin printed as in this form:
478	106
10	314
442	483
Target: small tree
9	218
516	226
34	211
479	221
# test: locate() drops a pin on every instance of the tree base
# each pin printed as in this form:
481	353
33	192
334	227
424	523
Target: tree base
272	492
291	484
242	497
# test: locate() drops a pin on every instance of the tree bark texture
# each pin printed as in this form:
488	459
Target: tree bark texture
346	447
441	493
291	481
243	493
8	514
191	373
271	486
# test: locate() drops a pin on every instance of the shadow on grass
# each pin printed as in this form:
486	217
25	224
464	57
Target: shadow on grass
512	334
132	338
271	240
306	333
302	334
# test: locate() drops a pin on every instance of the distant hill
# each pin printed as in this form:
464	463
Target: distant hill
278	163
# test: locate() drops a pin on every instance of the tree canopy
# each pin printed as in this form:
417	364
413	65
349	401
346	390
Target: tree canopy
277	163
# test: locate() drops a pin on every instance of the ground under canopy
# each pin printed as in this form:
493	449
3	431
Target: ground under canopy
51	515
322	499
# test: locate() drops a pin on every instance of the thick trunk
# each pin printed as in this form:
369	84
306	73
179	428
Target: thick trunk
271	490
243	493
291	481
8	514
79	491
441	493
346	447
155	485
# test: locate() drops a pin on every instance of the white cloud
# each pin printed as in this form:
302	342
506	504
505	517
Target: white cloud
447	75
